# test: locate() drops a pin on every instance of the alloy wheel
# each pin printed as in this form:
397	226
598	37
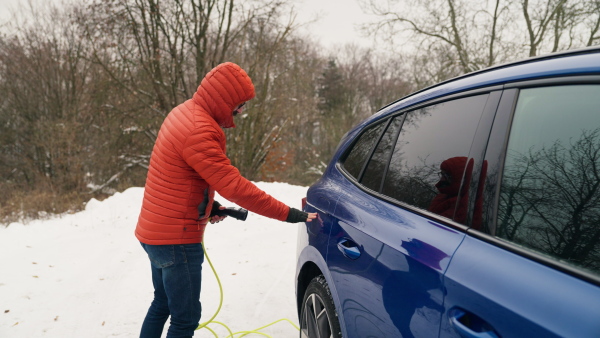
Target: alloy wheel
315	319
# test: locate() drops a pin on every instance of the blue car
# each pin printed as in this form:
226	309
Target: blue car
468	209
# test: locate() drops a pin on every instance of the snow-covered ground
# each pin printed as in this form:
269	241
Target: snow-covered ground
86	275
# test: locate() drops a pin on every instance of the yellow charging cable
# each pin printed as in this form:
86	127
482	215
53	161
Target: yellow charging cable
231	334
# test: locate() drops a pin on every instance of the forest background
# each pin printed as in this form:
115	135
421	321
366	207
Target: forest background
85	86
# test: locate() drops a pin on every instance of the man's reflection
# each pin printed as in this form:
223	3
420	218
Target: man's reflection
452	200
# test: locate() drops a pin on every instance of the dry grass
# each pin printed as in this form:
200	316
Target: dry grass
22	206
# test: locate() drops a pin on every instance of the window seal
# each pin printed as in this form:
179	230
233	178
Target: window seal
555	81
449	97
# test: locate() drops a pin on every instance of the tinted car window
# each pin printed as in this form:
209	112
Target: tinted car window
430	157
373	176
550	191
361	150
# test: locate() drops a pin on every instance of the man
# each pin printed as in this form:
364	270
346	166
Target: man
188	164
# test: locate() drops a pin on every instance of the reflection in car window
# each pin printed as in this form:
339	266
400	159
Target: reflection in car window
550	192
361	150
373	176
430	157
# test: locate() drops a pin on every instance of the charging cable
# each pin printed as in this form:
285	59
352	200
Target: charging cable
242	216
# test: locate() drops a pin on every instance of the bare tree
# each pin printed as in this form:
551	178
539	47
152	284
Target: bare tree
353	86
263	48
157	52
86	88
538	18
473	33
452	37
592	22
47	111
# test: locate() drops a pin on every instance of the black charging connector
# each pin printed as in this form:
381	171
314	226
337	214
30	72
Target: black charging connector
237	213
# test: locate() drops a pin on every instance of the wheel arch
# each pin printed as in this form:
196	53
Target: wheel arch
308	271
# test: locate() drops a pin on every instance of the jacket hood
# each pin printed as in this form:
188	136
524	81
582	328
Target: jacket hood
455	167
222	90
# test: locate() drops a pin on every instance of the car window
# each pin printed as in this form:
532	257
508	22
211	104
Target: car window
550	191
431	157
373	176
362	148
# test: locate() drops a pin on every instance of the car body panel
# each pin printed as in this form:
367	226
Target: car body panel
518	297
313	238
395	286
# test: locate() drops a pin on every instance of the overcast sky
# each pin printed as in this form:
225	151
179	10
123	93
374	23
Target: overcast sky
336	23
337	20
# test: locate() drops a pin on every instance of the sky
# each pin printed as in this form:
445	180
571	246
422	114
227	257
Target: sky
86	275
336	22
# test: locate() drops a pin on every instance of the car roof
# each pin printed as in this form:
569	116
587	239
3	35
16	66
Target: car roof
570	63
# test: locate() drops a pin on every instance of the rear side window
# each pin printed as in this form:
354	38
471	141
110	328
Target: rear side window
362	149
431	157
373	176
550	191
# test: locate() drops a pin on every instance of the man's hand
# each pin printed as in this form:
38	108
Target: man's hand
216	218
296	216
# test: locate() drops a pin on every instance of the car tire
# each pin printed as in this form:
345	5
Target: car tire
318	317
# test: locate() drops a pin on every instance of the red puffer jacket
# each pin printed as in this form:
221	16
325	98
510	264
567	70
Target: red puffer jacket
188	164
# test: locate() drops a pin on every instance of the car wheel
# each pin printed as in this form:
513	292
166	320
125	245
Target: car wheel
318	316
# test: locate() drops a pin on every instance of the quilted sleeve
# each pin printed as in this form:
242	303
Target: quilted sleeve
203	152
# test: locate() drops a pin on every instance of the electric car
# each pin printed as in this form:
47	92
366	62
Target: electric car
468	209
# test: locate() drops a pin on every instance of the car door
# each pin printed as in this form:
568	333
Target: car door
387	253
533	268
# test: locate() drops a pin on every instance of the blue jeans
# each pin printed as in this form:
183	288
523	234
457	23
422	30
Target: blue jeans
176	276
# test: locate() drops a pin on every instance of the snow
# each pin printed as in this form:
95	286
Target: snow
86	275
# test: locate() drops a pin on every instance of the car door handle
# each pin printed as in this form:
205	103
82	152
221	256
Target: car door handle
469	325
348	248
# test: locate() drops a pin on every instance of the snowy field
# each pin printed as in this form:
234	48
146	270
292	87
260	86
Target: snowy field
86	275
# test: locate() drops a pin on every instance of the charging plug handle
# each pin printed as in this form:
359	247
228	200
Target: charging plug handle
237	213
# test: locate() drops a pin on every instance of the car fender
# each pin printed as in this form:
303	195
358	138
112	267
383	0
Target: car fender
310	255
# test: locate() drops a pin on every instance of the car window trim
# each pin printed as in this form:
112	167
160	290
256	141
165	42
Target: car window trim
554	81
482	135
515	92
449	97
497	144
